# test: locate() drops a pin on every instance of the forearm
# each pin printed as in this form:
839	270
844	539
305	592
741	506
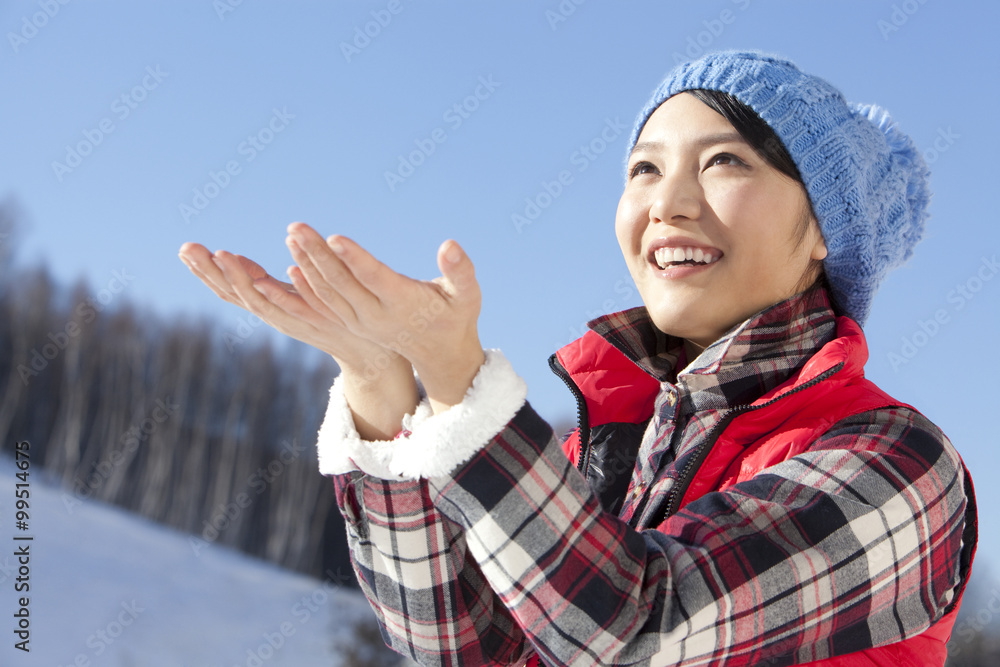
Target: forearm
446	378
380	397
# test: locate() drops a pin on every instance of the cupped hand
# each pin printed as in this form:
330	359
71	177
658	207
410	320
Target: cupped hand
288	307
378	382
431	323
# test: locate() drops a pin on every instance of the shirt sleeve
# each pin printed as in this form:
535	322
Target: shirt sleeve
412	563
852	544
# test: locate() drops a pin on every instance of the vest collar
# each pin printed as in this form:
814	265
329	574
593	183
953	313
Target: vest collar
750	360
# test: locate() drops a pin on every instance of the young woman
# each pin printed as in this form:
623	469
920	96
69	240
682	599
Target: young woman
737	493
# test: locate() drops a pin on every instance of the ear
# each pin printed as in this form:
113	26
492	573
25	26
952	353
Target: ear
819	250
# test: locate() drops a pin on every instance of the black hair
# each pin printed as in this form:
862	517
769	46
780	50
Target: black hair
752	128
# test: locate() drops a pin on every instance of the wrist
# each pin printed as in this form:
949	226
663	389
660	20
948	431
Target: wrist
375	371
446	380
378	394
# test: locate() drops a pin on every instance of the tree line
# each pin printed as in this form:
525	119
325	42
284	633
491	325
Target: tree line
211	432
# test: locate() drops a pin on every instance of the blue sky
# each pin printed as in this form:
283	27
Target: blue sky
118	115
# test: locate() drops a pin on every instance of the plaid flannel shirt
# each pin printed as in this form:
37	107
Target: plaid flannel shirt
851	544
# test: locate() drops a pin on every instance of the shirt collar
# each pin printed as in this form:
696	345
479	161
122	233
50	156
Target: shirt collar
747	361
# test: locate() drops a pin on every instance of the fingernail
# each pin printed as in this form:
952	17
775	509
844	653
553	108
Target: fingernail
337	247
292	244
453	254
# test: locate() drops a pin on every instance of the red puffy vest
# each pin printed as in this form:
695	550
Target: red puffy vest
616	390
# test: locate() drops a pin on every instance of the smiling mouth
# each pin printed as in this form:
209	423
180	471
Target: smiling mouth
665	258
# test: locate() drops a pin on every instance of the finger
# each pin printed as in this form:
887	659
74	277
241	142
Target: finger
289	301
222	294
457	270
318	285
336	273
199	260
253	269
243	285
273	283
288	287
375	276
305	291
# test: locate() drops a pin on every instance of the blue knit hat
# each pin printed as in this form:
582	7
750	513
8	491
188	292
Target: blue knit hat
867	182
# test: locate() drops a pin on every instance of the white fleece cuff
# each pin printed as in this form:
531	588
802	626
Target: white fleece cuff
437	444
342	450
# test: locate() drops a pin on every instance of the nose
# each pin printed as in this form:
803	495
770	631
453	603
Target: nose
677	197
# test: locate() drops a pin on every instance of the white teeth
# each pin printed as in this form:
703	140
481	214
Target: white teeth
666	256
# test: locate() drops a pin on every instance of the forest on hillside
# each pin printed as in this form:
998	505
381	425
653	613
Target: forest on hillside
208	431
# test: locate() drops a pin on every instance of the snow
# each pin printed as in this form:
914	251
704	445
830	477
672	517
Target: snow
110	588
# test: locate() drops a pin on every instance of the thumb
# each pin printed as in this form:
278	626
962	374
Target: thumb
457	270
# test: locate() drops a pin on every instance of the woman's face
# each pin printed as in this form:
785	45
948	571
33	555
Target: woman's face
710	230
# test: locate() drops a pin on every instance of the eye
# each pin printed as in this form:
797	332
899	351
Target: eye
642	168
725	159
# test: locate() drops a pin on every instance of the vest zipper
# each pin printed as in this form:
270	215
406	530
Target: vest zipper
582	417
694	462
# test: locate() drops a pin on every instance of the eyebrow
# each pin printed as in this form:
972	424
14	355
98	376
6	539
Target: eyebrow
700	142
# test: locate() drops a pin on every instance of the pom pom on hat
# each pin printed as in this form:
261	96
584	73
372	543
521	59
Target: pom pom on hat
866	180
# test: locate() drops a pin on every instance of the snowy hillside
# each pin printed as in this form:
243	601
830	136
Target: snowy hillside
108	588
